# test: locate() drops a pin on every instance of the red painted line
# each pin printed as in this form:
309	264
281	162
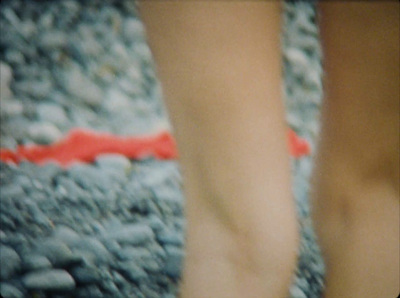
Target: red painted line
84	146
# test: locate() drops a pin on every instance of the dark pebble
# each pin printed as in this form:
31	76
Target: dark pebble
10	262
86	275
49	280
35	262
9	291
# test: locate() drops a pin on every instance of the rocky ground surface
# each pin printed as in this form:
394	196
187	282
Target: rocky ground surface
114	228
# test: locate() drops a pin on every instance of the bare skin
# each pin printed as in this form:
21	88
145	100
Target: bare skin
221	79
356	199
222	83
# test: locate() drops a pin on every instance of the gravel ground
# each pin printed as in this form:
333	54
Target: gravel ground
114	228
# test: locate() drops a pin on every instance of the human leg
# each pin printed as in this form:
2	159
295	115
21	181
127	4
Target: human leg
356	180
219	64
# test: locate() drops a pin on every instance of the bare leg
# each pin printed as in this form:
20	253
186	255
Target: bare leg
219	63
356	201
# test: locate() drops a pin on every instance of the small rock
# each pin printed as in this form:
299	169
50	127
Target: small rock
133	234
170	238
5	80
57	252
296	292
297	58
35	262
14	57
38	89
9	291
10	108
91	291
134	253
132	29
173	264
10	262
116	101
49	280
52	39
86	275
44	133
52	113
12	191
132	271
93	248
114	161
79	85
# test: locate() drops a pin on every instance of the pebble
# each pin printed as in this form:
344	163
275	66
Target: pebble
5	80
14	57
113	161
10	262
52	113
86	275
170	237
116	100
49	280
10	108
52	39
79	85
93	248
132	271
298	59
44	132
9	291
57	252
132	29
91	291
38	89
35	262
173	264
134	253
133	234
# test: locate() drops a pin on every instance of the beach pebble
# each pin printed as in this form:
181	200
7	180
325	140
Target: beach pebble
54	280
10	262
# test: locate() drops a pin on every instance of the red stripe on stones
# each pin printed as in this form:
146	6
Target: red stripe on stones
84	146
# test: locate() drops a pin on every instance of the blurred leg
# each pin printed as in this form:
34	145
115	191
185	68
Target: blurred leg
356	200
219	64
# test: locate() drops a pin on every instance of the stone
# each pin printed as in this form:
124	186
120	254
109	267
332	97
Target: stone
52	113
9	291
132	29
44	132
296	292
10	262
14	57
134	253
86	275
10	108
49	280
50	40
35	262
57	252
298	59
132	271
174	261
79	85
169	237
114	161
38	89
93	248
5	80
134	234
91	291
116	100
12	191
